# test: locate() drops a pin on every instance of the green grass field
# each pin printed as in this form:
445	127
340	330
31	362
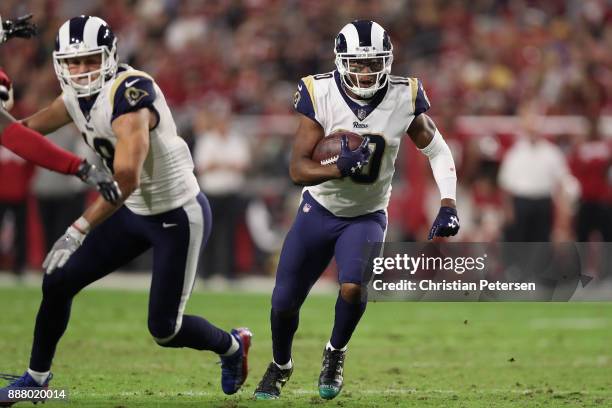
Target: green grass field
402	355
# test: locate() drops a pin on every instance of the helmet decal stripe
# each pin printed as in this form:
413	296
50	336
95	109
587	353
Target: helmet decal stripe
105	36
77	26
341	43
364	30
379	35
90	32
351	35
63	38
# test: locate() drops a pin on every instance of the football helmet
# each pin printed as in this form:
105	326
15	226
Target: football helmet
83	36
364	55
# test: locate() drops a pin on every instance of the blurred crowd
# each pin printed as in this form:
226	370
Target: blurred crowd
521	89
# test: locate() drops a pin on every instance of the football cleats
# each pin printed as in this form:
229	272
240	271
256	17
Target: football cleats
332	368
85	36
364	55
234	368
273	381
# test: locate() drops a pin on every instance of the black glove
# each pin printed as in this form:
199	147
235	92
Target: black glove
22	27
101	180
446	223
350	161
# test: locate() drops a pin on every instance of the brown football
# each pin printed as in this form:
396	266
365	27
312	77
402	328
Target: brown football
327	150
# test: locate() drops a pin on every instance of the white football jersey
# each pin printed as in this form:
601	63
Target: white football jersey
385	119
167	180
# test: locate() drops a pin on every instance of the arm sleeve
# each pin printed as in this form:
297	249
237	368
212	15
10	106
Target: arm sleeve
132	94
33	147
442	165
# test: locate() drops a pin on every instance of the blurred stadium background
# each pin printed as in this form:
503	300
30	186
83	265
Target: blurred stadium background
496	72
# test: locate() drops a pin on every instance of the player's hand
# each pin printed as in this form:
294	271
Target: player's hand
21	27
63	249
350	161
446	223
101	180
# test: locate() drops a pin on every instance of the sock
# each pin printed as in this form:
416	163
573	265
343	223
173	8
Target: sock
284	324
286	366
33	147
347	317
232	348
39	377
198	333
329	346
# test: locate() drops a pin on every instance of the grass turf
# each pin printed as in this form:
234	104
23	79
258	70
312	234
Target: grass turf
402	355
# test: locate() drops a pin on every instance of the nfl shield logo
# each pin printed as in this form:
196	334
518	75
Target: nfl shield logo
361	113
306	208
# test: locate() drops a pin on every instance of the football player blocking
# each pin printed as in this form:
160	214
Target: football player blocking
344	206
123	116
31	145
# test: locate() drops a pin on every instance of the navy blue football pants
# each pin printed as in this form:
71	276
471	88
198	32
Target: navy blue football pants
315	237
176	237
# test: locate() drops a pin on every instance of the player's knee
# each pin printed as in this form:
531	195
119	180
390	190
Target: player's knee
55	286
351	293
286	300
162	330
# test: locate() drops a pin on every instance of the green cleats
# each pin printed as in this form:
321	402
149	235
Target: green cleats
331	380
274	379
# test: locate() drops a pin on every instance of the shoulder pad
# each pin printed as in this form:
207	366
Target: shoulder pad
131	90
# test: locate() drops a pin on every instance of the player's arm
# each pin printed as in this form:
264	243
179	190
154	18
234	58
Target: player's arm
430	142
49	119
303	170
33	147
132	132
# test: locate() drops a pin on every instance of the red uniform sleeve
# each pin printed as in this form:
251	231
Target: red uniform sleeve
33	147
4	79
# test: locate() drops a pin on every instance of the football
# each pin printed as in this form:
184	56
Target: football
327	150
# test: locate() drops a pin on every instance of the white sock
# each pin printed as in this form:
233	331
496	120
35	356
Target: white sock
285	366
40	378
233	348
332	348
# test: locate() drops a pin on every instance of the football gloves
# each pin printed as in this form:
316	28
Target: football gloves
101	180
446	223
21	27
350	161
63	249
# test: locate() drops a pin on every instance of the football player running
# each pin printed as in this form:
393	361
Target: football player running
344	206
31	145
122	114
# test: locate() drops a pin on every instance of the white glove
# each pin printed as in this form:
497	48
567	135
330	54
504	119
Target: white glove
63	249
